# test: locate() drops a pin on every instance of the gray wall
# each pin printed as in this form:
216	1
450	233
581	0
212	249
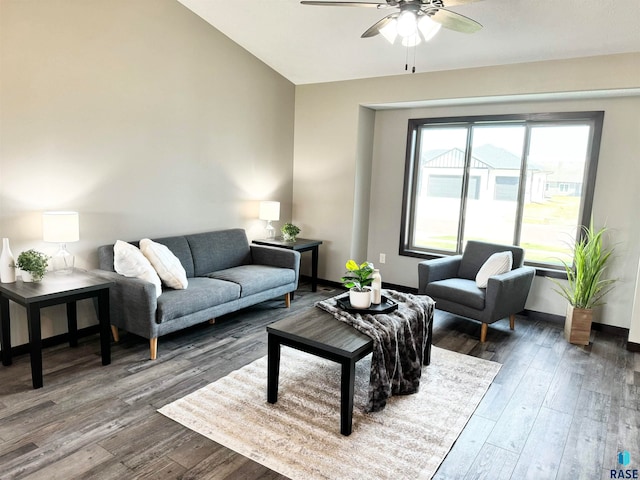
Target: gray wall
142	117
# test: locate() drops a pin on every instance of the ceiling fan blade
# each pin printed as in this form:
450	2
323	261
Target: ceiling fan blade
453	3
344	4
374	29
454	21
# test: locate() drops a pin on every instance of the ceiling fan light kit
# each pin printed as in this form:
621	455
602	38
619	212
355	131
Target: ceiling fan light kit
417	20
407	24
428	27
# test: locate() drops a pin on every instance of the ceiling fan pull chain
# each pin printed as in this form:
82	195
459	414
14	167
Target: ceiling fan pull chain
413	70
406	59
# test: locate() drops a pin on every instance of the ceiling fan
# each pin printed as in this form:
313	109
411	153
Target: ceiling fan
415	20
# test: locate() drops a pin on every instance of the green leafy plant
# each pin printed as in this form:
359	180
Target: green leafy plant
357	276
586	287
34	262
289	230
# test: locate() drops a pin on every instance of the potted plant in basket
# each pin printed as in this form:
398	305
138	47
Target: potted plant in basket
289	232
586	287
33	265
357	279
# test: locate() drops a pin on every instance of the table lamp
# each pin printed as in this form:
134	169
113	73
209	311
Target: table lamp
270	211
61	227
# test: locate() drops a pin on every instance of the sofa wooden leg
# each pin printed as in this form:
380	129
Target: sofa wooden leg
114	332
212	321
483	333
153	347
512	321
287	300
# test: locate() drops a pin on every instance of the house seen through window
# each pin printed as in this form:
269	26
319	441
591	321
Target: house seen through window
515	179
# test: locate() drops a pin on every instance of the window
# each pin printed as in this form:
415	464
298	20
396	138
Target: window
516	179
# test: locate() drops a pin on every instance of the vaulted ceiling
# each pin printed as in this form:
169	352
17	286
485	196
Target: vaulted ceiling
310	44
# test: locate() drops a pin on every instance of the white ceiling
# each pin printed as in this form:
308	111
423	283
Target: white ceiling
309	44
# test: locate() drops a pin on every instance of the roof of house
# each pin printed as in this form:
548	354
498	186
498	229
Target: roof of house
484	156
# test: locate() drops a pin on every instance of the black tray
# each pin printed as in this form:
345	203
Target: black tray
385	306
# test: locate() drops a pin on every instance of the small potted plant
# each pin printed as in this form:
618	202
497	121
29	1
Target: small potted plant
33	265
357	279
289	232
586	285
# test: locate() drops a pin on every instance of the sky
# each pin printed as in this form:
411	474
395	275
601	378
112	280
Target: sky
566	143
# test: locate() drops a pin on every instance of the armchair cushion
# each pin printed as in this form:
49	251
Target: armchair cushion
458	290
496	264
476	253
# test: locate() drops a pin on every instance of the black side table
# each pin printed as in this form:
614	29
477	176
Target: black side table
300	245
54	290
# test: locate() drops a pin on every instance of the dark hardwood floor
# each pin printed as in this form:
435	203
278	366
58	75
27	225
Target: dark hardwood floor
555	410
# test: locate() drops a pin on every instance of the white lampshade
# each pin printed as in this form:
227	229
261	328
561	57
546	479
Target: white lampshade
269	211
407	24
390	31
428	27
425	26
60	227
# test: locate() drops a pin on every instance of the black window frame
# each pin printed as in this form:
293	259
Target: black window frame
412	164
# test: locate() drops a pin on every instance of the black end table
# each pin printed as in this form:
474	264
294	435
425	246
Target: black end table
300	245
54	290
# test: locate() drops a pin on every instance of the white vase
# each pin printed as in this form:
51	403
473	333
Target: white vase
7	267
360	299
376	287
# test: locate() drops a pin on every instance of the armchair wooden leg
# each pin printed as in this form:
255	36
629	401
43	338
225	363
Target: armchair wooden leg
483	333
287	300
153	347
114	332
512	321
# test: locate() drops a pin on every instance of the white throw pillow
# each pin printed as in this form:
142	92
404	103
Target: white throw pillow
496	264
167	265
129	261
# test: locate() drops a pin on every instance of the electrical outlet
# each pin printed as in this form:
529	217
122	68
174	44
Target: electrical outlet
383	258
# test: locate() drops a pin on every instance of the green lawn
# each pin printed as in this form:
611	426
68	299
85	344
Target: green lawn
539	220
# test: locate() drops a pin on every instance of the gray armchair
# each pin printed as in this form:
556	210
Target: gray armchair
450	281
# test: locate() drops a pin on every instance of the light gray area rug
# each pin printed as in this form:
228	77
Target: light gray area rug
299	436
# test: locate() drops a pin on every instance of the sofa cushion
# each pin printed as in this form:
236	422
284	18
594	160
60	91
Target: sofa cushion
255	278
181	249
496	264
129	261
167	265
458	290
202	293
214	251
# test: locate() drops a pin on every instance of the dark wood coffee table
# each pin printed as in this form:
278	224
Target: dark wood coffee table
317	332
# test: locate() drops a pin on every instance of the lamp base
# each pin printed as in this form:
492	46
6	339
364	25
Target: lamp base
271	231
63	262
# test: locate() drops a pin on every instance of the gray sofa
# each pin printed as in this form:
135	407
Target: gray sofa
225	273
